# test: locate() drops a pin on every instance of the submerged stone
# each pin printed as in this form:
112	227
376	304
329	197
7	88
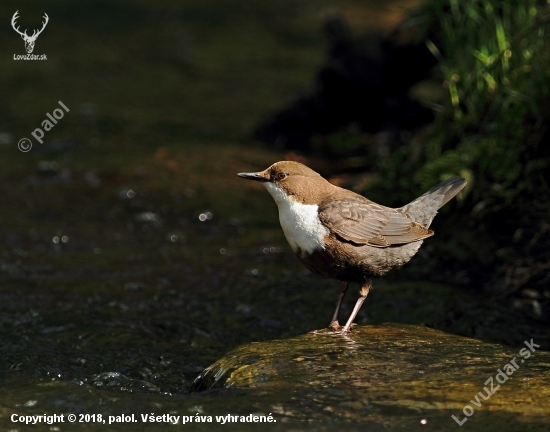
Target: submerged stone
411	373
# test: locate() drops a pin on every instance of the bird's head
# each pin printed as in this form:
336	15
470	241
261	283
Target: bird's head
291	180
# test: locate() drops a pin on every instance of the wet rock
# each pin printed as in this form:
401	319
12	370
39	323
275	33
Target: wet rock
125	383
148	217
416	373
133	286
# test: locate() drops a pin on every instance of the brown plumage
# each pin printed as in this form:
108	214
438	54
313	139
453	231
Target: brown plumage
342	235
363	222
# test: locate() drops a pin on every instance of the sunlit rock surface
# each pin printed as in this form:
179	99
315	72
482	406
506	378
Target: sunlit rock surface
394	376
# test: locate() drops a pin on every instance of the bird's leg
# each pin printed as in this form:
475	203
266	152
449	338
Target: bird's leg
334	322
365	288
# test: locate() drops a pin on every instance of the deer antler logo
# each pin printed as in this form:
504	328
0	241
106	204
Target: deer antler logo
29	40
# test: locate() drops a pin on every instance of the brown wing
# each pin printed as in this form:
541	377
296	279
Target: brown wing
364	222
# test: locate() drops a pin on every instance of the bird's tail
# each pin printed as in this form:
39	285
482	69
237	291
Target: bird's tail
424	208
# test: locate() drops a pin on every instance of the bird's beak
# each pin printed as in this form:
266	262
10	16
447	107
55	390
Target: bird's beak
258	176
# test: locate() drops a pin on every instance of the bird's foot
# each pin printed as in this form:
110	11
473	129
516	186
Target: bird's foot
335	325
346	330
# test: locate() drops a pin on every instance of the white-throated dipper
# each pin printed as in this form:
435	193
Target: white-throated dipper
342	235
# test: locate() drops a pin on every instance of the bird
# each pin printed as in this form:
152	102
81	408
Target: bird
339	234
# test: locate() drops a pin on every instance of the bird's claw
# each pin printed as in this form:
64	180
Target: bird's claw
335	325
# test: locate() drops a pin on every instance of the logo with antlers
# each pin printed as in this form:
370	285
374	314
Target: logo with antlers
29	40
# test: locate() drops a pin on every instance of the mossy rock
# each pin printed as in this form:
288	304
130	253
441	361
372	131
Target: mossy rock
393	375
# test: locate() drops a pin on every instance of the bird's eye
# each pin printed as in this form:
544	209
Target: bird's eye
280	176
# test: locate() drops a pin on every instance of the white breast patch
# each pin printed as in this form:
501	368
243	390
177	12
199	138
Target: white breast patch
300	222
